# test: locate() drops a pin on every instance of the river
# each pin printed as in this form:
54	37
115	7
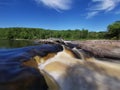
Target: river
13	73
15	43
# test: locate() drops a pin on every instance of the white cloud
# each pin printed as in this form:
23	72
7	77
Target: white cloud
103	6
106	5
56	4
91	14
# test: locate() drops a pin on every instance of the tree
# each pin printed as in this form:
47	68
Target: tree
39	33
114	30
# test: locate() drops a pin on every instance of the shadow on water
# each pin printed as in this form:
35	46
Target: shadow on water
77	78
15	43
89	77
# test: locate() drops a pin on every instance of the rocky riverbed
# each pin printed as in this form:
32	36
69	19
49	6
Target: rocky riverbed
100	49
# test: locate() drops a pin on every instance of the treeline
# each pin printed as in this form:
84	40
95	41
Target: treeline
113	32
37	33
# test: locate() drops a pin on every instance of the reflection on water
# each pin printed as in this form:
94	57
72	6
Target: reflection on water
15	43
12	71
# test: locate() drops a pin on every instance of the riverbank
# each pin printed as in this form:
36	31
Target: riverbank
100	49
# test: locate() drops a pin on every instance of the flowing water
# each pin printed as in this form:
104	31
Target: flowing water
12	70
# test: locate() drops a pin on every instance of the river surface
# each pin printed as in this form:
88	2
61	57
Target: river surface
13	72
5	44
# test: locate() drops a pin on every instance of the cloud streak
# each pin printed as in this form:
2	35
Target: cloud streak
102	6
91	14
56	4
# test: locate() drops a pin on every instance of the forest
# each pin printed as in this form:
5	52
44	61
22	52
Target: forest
112	32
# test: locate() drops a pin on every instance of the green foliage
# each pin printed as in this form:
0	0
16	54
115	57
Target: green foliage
39	33
114	31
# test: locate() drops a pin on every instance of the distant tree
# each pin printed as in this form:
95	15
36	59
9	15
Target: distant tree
10	34
84	33
114	30
101	35
39	33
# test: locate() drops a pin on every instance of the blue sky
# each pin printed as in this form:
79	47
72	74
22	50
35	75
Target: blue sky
94	15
